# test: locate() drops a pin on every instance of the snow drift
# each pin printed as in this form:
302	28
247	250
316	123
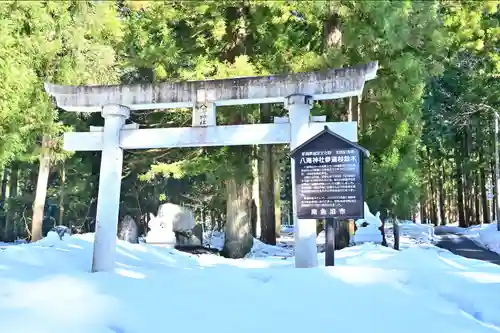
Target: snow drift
46	287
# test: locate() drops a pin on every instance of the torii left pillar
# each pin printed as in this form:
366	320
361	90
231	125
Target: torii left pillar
108	201
305	250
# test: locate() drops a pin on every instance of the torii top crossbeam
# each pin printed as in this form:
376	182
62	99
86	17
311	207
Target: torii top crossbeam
321	85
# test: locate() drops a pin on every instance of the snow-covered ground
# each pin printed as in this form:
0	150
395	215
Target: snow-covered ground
46	287
486	236
411	234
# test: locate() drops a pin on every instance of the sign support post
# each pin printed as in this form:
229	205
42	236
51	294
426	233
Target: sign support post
330	242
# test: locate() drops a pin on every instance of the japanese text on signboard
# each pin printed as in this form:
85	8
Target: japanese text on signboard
329	182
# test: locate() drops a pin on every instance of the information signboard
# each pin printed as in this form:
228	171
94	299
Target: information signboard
329	178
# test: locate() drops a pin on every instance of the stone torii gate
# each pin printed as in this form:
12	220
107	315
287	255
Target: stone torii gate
296	91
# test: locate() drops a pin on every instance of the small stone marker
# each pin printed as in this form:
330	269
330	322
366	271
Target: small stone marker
198	234
61	230
329	182
128	230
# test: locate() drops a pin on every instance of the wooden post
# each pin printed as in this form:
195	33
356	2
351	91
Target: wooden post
330	242
62	179
396	235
